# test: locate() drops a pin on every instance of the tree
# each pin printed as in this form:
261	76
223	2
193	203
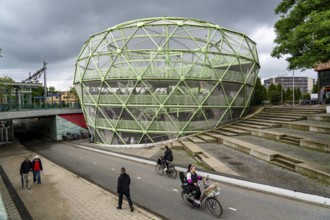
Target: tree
315	88
302	33
38	91
52	90
288	94
260	93
5	89
274	93
73	93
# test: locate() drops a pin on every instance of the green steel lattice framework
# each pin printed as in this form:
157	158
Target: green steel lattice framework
156	79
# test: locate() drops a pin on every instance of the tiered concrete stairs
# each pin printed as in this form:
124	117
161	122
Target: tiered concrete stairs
257	125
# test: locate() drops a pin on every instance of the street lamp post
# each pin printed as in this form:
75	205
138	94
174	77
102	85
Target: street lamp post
282	87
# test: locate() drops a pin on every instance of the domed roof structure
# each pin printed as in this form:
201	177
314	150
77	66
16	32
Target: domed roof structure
157	79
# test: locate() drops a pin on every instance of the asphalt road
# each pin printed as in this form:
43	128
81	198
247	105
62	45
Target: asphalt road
161	194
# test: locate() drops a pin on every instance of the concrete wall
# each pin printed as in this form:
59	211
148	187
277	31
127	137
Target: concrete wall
64	126
52	127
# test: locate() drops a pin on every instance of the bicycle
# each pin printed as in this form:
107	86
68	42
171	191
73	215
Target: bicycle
171	171
212	204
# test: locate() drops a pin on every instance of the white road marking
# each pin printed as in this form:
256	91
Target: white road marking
80	158
94	162
232	209
69	154
175	190
113	169
138	177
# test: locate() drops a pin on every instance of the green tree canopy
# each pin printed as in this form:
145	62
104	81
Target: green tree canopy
302	33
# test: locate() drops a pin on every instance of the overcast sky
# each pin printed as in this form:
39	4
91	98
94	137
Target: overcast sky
32	31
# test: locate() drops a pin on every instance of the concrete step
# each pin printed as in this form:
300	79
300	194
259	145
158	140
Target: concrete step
191	147
274	119
319	117
284	115
246	124
196	139
286	162
300	110
207	138
224	132
236	129
306	127
262	122
291	140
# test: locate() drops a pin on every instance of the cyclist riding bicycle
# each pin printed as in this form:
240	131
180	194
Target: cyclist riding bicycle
167	158
192	179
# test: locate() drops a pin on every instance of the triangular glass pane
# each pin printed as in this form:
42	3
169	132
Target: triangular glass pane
218	113
102	120
91	112
91	72
124	89
78	90
180	95
212	116
126	121
217	97
251	80
240	98
231	90
226	48
179	116
143	94
87	98
111	113
236	112
143	116
226	116
200	35
86	52
197	121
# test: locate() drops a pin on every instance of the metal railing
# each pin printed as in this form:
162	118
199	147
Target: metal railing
25	107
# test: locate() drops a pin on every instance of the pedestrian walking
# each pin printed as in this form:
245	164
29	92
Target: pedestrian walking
123	189
36	168
26	167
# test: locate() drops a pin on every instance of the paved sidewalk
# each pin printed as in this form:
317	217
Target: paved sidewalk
62	194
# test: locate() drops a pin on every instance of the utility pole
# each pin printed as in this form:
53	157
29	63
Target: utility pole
292	88
45	85
282	87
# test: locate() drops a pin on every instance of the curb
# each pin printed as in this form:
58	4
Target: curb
321	200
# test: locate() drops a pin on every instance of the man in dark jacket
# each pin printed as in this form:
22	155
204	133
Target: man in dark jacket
168	157
123	189
26	167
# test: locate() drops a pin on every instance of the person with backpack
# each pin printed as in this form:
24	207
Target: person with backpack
26	167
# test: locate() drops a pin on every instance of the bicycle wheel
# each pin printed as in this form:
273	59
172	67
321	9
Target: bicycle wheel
213	207
159	169
186	199
172	172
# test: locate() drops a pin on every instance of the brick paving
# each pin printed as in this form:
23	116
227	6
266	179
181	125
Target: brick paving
62	195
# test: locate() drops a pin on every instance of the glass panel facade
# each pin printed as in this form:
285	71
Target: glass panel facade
156	79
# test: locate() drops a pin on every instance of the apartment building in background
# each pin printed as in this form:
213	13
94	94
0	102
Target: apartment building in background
304	83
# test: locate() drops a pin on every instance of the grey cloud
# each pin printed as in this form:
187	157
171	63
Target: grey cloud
38	30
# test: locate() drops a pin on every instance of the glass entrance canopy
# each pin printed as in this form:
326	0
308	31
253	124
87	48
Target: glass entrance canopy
156	79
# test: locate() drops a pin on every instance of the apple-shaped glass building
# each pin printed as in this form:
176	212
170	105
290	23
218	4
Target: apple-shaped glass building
157	79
